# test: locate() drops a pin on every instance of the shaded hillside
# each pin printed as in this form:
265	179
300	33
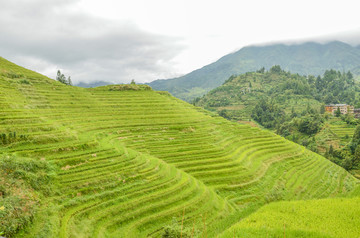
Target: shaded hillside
137	163
308	58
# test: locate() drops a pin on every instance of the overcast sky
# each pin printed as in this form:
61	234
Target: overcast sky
145	40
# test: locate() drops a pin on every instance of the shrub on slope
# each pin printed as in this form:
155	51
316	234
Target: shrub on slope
22	183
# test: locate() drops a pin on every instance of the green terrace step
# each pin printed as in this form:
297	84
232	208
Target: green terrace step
128	162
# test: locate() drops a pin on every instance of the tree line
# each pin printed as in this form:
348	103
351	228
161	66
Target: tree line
62	79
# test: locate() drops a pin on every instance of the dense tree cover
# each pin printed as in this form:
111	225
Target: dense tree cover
268	114
350	120
335	87
281	86
283	89
349	155
310	124
301	127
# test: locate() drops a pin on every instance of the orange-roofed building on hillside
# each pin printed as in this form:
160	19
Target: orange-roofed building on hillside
344	108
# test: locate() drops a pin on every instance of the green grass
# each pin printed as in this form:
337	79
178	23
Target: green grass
343	131
24	182
126	163
337	217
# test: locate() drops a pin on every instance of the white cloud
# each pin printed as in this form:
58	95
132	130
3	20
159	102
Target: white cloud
146	40
89	48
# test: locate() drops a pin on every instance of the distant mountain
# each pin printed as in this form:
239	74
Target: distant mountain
93	85
307	58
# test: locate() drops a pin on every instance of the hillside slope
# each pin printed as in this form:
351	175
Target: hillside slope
127	160
294	107
307	58
291	92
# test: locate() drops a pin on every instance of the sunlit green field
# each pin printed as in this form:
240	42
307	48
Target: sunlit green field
126	161
337	217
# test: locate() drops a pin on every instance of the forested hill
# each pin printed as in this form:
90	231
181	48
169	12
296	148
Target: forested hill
293	106
308	58
240	94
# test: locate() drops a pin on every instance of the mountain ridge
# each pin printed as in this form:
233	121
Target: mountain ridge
306	58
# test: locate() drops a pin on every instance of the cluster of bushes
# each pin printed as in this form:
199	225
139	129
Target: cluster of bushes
130	87
62	79
348	156
11	137
12	75
176	230
350	120
268	114
300	127
309	124
23	181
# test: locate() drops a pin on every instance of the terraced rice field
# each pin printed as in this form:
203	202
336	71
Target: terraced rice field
342	131
128	162
331	218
